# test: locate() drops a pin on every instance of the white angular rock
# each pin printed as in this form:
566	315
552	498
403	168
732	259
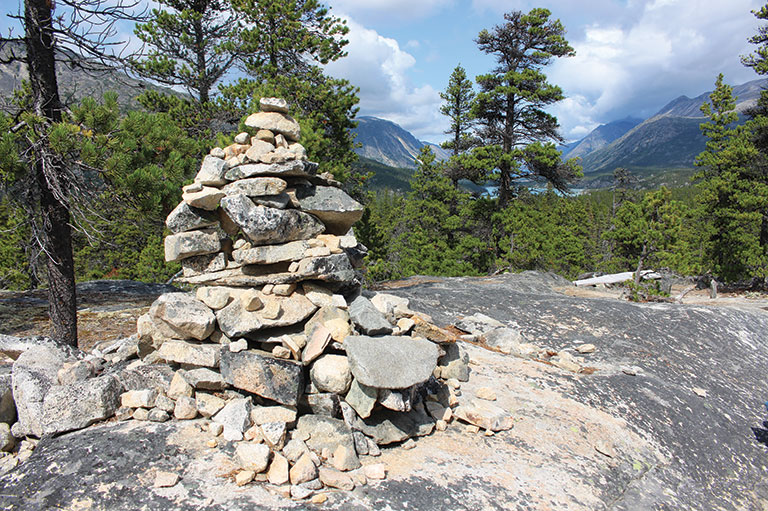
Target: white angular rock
183	352
273	105
236	418
253	457
182	316
271	254
276	122
179	387
258	150
138	398
273	434
185	408
277	413
206	379
207	198
304	470
485	415
192	243
235	321
278	472
294	168
212	170
213	297
208	404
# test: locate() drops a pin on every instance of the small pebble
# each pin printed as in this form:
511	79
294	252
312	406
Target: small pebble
486	393
244	477
319	498
165	479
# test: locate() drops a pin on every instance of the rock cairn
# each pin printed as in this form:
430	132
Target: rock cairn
278	346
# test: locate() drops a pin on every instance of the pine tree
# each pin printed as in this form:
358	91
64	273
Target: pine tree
192	44
44	162
287	37
459	98
733	191
514	127
645	231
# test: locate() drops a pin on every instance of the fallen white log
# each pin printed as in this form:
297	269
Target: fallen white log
615	278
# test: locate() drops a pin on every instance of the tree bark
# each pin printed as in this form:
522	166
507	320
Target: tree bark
56	231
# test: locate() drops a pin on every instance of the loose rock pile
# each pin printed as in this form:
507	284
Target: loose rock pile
277	346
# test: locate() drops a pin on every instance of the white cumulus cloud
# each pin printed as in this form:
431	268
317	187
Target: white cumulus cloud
379	67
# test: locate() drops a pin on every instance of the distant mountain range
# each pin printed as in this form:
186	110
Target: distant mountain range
386	142
668	141
74	84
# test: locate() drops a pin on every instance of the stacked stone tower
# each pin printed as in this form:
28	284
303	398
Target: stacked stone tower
277	334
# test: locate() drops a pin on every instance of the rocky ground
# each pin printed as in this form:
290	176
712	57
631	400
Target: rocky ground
665	413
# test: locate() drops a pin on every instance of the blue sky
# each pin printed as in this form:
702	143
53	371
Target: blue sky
632	56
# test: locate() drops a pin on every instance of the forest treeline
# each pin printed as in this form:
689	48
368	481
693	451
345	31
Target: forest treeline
130	166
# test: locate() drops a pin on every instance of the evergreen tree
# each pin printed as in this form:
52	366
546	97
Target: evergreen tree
645	231
514	127
193	43
287	37
43	161
458	98
733	198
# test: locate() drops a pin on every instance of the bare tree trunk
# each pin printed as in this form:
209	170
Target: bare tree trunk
56	232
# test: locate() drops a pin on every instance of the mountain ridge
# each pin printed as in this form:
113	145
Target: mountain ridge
388	143
671	138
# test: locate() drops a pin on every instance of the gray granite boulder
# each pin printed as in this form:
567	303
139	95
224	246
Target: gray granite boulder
368	319
255	186
337	210
235	321
387	426
186	218
78	405
212	172
190	353
373	360
188	244
235	417
455	363
271	254
269	225
182	316
7	405
325	433
34	373
262	374
294	168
